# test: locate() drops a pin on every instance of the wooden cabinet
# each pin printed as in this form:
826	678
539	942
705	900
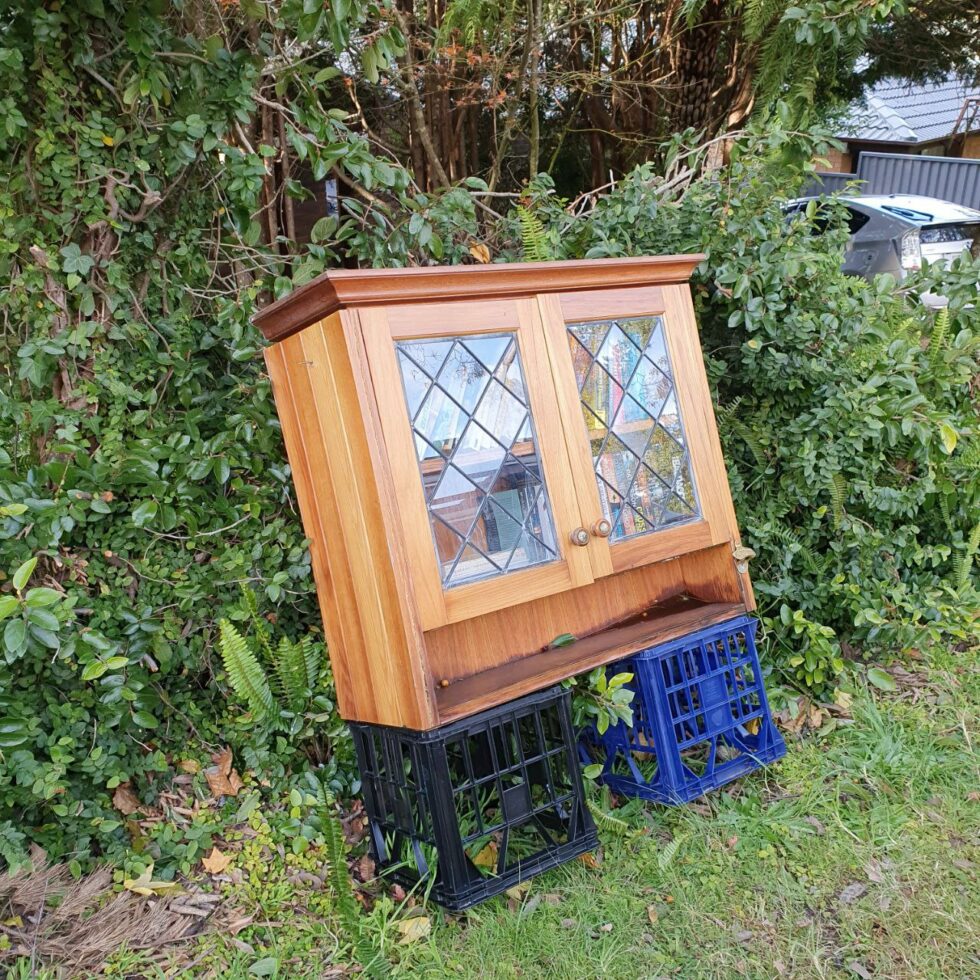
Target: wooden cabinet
489	457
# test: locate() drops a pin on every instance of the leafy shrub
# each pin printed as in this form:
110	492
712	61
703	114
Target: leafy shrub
141	464
847	408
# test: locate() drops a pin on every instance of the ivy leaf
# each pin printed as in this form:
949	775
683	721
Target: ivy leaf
74	261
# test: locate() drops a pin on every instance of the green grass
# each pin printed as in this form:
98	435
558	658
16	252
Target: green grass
854	856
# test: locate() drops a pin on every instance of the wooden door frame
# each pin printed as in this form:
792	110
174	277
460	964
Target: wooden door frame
438	606
673	304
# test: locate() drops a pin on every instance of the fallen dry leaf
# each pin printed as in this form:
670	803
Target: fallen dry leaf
216	862
589	860
852	892
145	885
518	891
125	800
873	870
414	929
222	779
860	969
189	765
480	252
487	858
653	914
366	868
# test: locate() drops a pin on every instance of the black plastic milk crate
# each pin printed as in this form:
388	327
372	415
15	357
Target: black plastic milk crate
478	805
700	717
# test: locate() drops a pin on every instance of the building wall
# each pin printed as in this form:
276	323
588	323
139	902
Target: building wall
838	161
971	146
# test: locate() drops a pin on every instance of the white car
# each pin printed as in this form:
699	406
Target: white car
896	233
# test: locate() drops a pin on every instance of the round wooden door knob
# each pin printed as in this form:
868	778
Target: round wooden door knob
580	537
602	528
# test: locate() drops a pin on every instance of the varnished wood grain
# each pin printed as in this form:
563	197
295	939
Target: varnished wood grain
694	398
341	288
438	605
582	473
477	644
371	633
511	680
409	507
607	304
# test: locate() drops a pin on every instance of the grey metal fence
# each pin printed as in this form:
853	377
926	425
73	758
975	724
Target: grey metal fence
947	178
826	182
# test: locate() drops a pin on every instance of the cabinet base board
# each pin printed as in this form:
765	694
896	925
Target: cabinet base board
668	620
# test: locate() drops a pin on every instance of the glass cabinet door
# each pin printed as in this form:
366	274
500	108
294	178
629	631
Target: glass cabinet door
634	425
639	427
478	455
475	445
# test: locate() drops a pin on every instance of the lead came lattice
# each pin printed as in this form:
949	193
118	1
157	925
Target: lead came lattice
640	455
478	456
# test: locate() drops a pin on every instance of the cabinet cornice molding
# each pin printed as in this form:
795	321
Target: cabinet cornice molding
338	289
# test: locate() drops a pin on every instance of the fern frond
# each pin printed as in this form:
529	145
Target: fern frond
534	237
313	660
619	827
837	487
348	911
940	337
791	538
963	560
259	626
291	673
245	673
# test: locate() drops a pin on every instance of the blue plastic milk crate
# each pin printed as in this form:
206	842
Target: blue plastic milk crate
700	717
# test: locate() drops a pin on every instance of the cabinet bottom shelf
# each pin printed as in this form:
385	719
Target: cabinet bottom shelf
665	621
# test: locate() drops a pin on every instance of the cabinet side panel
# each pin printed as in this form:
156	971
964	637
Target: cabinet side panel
392	660
330	572
379	653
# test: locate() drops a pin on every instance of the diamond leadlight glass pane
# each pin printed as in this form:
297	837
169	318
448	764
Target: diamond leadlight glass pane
474	439
626	385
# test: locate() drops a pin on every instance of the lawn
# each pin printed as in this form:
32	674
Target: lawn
854	856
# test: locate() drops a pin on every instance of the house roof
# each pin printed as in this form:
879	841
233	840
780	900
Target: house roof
898	111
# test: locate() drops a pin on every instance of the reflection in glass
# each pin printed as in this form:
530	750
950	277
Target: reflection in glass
478	456
634	426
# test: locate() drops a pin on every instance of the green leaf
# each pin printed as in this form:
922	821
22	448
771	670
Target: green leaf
44	618
949	437
23	573
15	635
144	719
94	670
592	772
265	967
8	605
882	679
144	513
562	640
42	596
